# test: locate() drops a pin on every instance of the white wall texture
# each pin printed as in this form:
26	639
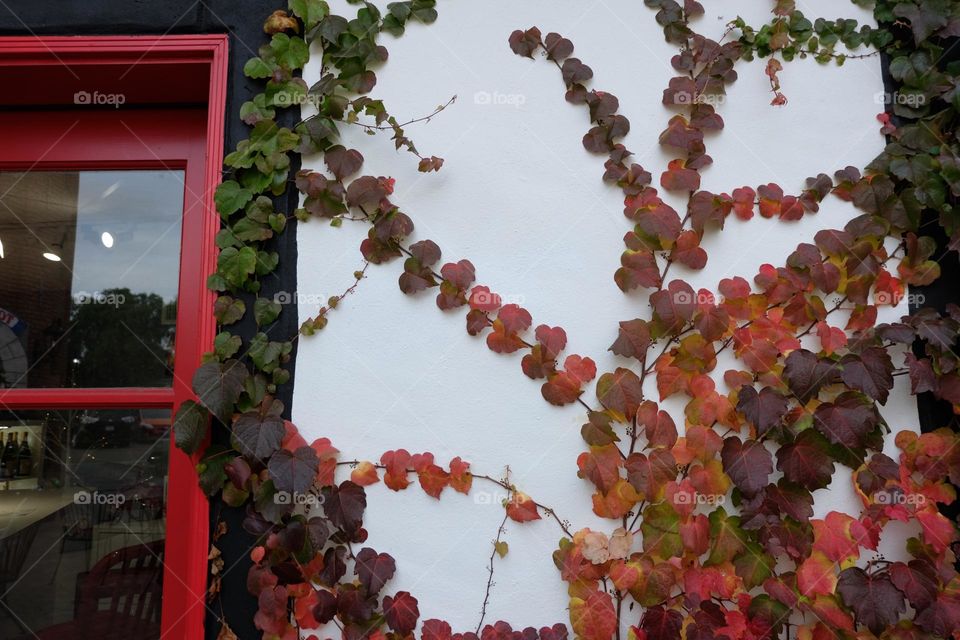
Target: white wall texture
522	199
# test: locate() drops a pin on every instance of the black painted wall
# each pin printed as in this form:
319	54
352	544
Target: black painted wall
242	20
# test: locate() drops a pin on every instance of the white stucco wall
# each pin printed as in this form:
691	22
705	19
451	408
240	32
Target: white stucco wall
522	199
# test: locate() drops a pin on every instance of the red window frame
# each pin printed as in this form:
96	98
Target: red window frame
187	139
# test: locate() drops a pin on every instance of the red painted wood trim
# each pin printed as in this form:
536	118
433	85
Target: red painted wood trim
191	140
131	398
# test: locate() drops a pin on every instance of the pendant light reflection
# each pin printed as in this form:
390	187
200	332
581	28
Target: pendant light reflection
1	250
52	257
107	239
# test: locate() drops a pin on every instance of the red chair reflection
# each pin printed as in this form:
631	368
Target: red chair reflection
118	599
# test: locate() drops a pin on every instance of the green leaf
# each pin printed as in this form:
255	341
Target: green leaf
267	355
256	110
257	68
211	469
190	426
754	565
249	230
310	11
230	197
265	311
290	52
727	538
228	310
226	345
236	265
661	531
266	262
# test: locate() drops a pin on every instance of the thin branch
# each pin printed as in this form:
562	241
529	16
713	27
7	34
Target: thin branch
486	596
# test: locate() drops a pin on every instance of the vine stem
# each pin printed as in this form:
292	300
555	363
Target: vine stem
427	118
497	481
486	596
358	276
380	127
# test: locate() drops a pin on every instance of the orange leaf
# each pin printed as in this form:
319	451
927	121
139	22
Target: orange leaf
816	576
460	477
395	476
365	474
616	502
593	616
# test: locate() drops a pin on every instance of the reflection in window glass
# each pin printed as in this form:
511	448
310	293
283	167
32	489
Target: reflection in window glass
89	272
82	521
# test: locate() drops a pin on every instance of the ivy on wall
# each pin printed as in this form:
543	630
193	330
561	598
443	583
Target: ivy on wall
813	363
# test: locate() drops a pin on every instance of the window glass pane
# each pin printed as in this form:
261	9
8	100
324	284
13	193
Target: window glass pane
82	521
89	272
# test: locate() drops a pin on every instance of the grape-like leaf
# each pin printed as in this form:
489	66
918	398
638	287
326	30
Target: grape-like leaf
764	409
342	162
659	623
344	505
916	580
190	426
848	420
293	472
374	570
620	392
748	464
870	372
401	612
219	385
874	599
805	373
807	461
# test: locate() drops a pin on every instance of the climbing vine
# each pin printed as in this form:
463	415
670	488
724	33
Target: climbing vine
712	531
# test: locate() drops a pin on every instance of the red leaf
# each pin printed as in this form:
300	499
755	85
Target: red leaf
831	338
771	196
482	299
395	475
521	508
552	339
764	410
848	420
678	178
344	506
917	580
436	630
581	369
661	624
633	339
374	570
511	320
807	461
433	479
748	464
688	250
744	199
562	388
620	392
460	477
874	599
639	269
674	306
457	278
402	613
